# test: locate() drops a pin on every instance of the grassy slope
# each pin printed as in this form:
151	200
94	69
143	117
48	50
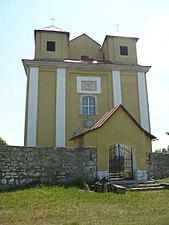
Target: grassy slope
56	205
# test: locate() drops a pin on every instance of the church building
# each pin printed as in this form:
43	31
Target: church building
83	94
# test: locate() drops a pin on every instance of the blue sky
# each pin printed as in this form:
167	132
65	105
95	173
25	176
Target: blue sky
146	19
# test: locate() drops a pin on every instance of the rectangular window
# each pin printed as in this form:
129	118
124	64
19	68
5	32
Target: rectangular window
50	46
123	50
88	106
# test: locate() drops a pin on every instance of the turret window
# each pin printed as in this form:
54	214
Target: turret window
123	50
50	46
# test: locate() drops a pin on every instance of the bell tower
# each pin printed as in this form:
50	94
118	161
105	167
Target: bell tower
51	43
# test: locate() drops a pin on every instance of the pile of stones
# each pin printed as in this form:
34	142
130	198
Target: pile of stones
108	187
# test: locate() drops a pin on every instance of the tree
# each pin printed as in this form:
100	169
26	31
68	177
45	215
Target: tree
2	141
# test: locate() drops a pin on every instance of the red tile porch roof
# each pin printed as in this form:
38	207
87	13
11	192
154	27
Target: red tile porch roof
106	117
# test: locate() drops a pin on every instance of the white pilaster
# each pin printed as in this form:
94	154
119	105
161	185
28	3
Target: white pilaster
116	88
32	106
143	101
60	107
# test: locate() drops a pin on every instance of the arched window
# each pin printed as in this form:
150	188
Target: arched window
88	105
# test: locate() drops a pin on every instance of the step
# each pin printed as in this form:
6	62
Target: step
155	188
135	185
142	185
132	182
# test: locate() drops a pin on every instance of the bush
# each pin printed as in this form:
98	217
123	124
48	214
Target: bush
2	141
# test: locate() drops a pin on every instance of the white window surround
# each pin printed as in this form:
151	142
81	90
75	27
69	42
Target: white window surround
81	105
96	81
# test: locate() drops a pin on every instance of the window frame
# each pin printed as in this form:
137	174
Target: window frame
51	48
124	50
88	105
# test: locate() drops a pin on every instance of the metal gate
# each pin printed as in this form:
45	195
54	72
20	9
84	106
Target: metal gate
120	162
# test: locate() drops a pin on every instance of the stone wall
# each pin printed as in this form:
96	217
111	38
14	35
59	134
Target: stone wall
158	165
24	166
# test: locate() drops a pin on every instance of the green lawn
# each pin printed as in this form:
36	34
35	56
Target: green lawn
57	205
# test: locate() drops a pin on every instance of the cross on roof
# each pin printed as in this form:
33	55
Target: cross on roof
117	27
52	19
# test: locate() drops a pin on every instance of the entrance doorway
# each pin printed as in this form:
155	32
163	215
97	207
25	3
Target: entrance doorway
120	162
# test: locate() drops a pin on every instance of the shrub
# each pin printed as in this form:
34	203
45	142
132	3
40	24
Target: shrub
2	141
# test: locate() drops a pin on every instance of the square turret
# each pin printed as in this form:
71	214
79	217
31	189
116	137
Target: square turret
51	43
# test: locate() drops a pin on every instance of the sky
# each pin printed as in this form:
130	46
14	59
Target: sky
146	19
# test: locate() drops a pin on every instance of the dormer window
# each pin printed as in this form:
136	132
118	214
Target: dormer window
123	50
50	46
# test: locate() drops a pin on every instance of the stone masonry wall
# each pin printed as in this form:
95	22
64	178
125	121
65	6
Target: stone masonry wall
157	165
24	166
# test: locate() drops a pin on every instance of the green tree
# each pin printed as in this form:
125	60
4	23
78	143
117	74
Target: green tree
2	141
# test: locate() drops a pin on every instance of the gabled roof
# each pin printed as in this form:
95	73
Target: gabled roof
106	117
87	37
52	28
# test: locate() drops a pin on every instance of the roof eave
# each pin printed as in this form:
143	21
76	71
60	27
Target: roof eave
25	66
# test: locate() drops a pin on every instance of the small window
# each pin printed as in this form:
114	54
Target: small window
88	106
50	46
123	50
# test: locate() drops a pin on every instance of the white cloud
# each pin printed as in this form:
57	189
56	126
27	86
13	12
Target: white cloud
153	49
158	92
154	42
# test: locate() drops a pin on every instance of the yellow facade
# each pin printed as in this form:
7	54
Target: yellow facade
84	45
110	49
60	80
46	110
74	119
61	40
130	91
123	131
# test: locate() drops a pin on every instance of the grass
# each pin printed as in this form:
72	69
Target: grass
72	206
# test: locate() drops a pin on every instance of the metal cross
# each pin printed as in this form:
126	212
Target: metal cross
52	19
117	28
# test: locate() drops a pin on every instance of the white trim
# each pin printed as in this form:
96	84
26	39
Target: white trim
32	106
143	101
116	88
60	107
94	79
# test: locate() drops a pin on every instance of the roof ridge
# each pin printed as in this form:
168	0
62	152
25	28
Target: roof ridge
52	28
104	118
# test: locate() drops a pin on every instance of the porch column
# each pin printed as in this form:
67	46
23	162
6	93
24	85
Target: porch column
60	107
32	106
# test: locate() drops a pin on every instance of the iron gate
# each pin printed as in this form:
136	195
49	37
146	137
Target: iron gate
120	162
